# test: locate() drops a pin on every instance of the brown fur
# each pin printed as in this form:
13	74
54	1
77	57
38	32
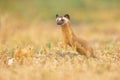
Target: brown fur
76	43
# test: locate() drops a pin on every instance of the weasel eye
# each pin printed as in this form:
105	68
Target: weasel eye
62	19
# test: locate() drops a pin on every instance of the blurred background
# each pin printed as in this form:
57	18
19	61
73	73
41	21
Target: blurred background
31	21
30	25
83	10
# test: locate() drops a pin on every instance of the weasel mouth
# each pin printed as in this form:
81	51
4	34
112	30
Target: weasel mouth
60	22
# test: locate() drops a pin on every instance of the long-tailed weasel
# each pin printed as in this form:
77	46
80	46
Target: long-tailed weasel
78	44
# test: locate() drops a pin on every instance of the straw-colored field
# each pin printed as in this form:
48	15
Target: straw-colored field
50	61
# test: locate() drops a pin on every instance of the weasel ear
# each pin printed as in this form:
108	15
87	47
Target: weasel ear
57	15
67	16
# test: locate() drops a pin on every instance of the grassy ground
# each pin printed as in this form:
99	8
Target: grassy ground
50	62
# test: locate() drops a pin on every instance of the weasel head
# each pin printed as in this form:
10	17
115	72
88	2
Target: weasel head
61	20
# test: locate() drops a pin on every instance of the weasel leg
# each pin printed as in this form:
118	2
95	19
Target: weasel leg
74	47
64	46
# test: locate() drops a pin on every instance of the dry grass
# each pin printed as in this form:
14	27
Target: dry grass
50	62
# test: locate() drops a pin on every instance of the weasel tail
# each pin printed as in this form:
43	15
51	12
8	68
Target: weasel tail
78	44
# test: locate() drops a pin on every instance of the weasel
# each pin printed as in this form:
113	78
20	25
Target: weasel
69	38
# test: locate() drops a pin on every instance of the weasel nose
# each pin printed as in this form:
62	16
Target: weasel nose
59	22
